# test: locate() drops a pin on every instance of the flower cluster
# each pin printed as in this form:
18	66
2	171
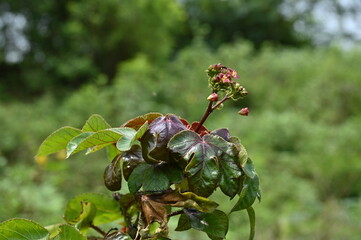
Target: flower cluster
221	79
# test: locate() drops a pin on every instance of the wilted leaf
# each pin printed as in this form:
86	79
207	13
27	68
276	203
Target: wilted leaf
186	200
107	208
95	123
248	194
58	140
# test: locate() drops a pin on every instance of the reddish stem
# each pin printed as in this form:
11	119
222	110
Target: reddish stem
208	111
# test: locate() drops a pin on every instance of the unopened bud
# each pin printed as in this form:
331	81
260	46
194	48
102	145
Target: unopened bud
243	111
213	97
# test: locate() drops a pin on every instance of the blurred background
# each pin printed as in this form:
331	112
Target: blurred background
300	60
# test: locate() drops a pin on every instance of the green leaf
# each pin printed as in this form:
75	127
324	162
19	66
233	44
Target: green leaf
107	208
130	136
183	223
112	151
97	140
153	177
248	194
58	140
252	222
86	216
95	123
67	232
211	159
242	152
22	229
74	143
249	169
215	224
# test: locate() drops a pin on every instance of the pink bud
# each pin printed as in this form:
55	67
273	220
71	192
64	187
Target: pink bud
243	111
213	97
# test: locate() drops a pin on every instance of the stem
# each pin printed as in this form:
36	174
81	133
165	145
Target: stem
98	230
208	111
175	213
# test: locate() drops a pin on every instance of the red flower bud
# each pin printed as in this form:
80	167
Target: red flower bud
213	97
243	111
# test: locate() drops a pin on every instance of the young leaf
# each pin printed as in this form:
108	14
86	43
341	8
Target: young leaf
131	159
107	208
95	123
137	122
18	228
223	133
67	232
58	140
163	129
153	177
248	194
113	175
215	224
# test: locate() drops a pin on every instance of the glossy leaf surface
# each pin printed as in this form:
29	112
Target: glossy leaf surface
154	177
131	159
18	228
113	175
161	130
248	194
58	140
211	160
215	224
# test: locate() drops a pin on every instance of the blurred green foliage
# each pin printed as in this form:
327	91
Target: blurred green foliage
303	133
124	60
